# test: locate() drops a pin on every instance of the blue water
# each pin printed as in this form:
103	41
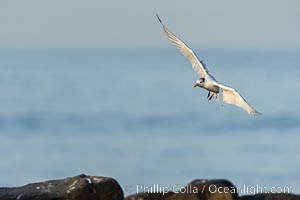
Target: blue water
134	115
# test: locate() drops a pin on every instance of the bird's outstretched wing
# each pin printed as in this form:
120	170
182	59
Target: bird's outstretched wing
198	66
231	96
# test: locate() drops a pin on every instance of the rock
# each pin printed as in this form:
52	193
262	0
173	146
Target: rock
200	189
203	189
149	196
271	196
80	187
84	187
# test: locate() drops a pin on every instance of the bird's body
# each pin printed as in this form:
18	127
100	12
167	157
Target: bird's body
207	81
209	84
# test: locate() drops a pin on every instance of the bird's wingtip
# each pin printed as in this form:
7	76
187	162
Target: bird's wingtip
158	18
256	113
259	114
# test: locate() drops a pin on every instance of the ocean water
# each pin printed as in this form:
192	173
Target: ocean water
134	115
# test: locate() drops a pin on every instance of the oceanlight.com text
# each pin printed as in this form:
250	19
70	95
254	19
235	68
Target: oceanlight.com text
246	189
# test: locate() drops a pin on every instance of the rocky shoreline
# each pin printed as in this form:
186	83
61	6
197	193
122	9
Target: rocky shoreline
83	187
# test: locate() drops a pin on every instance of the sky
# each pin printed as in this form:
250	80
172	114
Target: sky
263	24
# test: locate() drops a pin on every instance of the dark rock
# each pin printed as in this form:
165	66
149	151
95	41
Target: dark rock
202	189
182	196
80	187
270	196
149	196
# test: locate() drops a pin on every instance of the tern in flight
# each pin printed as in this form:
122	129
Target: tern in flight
206	80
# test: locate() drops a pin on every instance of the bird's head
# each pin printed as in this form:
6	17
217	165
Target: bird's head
199	82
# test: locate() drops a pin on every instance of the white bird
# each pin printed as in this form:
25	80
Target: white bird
207	81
